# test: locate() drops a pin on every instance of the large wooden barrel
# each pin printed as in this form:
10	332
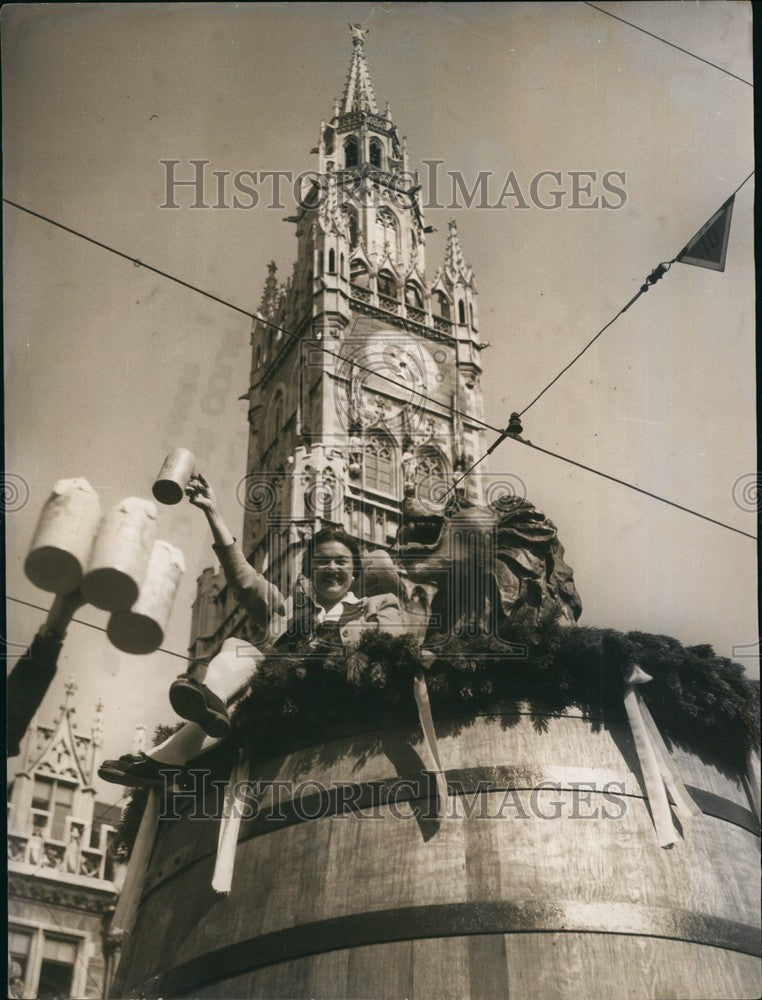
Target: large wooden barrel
544	880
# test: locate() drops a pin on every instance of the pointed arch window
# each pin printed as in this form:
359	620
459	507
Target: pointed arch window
380	465
461	311
332	262
387	284
413	295
388	231
442	305
431	473
358	274
331	500
328	141
351	152
376	153
56	798
309	491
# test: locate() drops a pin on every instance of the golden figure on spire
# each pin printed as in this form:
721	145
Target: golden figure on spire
358	33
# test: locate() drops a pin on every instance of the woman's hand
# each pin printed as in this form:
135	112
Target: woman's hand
201	494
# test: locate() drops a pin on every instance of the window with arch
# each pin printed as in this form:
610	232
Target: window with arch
387	229
380	466
430	473
342	266
332	262
320	261
309	491
351	152
461	311
387	285
330	497
442	305
376	153
56	799
328	141
471	314
358	274
413	295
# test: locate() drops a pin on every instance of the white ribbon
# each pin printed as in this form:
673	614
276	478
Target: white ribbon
129	898
659	773
752	781
421	693
230	825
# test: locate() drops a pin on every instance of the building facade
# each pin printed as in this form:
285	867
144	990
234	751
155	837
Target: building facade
62	877
361	365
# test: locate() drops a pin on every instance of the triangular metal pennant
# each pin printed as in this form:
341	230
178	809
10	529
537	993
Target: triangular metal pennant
709	246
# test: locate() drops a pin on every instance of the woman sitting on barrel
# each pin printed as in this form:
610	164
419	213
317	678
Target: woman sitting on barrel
326	611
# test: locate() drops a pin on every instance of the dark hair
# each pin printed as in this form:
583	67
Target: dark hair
330	534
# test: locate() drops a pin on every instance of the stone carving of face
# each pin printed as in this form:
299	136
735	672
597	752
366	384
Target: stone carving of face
332	573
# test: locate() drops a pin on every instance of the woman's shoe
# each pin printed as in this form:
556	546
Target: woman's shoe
137	771
197	703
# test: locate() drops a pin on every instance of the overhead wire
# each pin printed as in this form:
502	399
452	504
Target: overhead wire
352	363
638	489
98	628
643	288
253	316
671	44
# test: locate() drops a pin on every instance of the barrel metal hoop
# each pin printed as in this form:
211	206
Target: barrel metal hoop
450	920
463	781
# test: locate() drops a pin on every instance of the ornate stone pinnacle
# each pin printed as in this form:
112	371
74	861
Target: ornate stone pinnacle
358	91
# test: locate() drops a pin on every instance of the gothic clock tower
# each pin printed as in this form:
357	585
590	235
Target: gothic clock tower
360	365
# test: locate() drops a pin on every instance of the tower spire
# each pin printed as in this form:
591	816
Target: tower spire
358	90
268	305
455	262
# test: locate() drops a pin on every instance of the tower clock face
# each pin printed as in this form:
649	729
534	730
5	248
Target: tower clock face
388	377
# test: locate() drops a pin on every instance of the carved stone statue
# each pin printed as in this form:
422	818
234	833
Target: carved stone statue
492	565
358	33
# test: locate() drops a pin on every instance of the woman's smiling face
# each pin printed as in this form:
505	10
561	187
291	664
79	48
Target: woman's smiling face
332	573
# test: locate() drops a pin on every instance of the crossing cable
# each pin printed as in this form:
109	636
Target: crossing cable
597	472
244	312
630	486
671	44
470	417
653	277
99	628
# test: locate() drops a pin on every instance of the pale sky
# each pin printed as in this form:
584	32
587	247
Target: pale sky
109	366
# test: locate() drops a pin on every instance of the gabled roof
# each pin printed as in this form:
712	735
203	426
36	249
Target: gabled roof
64	754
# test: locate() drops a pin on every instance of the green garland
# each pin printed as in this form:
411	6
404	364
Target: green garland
308	697
700	701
